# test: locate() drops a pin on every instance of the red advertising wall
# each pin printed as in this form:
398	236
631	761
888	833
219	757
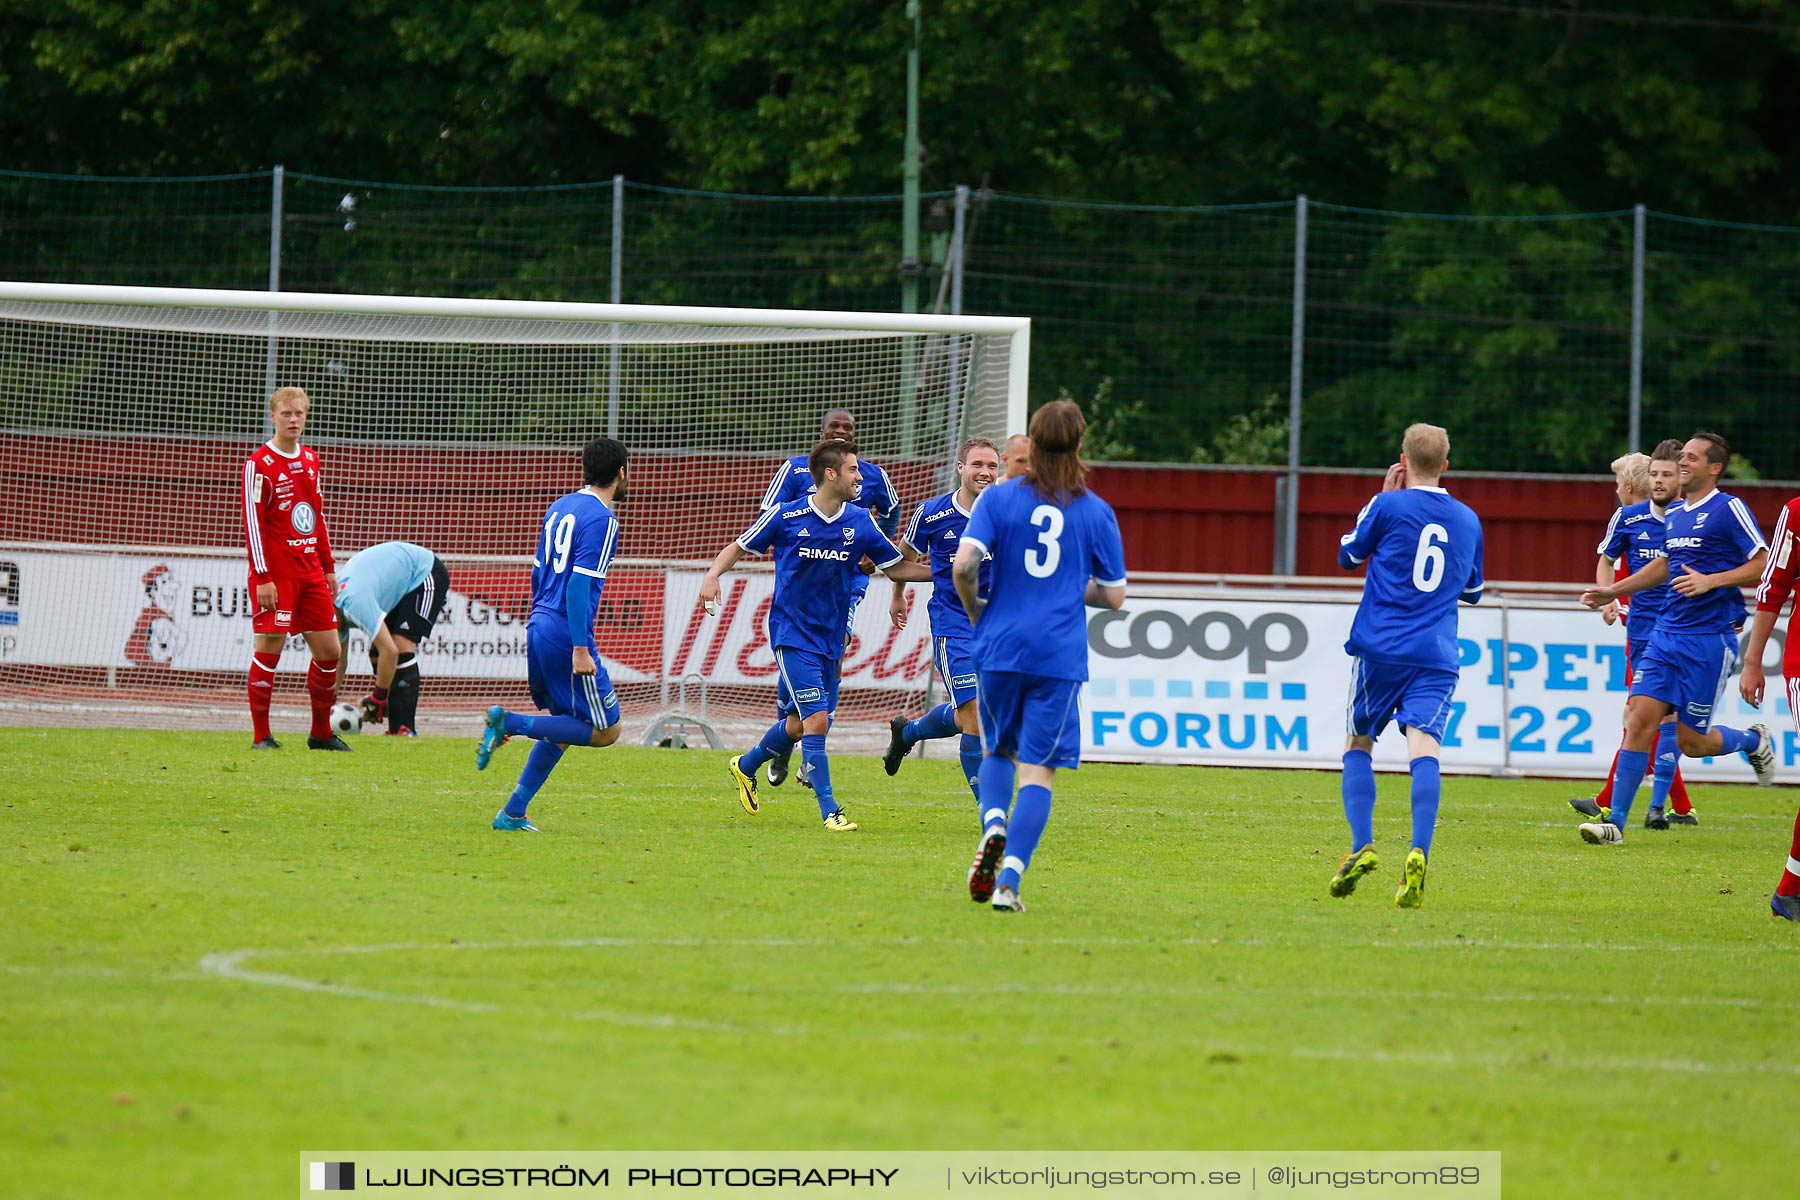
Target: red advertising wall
1190	519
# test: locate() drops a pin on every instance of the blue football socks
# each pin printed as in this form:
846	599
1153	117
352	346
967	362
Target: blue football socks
1628	774
1662	767
775	741
970	753
1427	790
538	764
1030	814
940	722
995	788
1359	797
1736	740
818	769
570	731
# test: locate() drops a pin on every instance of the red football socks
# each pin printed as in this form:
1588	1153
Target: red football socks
261	688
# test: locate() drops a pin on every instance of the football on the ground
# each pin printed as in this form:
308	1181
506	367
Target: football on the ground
345	718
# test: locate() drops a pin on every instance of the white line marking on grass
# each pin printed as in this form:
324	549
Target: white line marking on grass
881	988
230	965
81	972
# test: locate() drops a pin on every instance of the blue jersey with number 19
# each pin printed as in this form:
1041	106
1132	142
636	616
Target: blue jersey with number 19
1042	556
1423	548
578	537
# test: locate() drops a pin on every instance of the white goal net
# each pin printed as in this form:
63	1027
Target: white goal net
126	415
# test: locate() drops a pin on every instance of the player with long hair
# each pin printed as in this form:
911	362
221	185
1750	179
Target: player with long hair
1053	548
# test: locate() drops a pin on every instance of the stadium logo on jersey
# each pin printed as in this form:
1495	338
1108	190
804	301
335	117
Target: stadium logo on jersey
798	512
821	553
303	518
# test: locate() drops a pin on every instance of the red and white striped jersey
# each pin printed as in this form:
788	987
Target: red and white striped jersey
1778	579
284	520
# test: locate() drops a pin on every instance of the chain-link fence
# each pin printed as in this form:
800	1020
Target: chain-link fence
1545	343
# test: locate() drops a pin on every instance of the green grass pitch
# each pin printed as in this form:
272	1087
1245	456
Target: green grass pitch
212	960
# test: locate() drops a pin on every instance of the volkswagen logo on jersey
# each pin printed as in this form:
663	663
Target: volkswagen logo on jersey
303	518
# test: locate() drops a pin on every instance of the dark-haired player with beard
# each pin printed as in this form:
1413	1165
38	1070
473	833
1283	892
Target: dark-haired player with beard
1712	548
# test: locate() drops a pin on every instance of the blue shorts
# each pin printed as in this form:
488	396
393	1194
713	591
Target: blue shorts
809	682
1416	697
1033	718
1686	671
956	667
556	688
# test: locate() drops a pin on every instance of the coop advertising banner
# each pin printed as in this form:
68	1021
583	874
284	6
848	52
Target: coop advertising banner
1263	681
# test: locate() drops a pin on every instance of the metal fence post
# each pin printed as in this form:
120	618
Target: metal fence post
956	348
616	292
957	232
1287	557
1637	327
277	188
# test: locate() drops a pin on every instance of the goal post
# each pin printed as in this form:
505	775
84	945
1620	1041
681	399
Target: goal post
126	414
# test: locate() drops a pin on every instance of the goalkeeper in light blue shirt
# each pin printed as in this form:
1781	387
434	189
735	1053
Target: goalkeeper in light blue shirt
394	592
1053	550
1423	548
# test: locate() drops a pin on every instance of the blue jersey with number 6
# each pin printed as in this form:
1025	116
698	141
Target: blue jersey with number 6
1041	556
1423	548
578	537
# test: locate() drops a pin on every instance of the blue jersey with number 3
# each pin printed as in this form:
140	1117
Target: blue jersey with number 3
577	537
1042	556
1423	548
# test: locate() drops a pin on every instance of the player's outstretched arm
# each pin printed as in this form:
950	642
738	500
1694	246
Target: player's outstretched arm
907	570
709	587
1653	574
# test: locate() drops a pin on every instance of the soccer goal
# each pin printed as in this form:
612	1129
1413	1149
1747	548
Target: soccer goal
126	415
